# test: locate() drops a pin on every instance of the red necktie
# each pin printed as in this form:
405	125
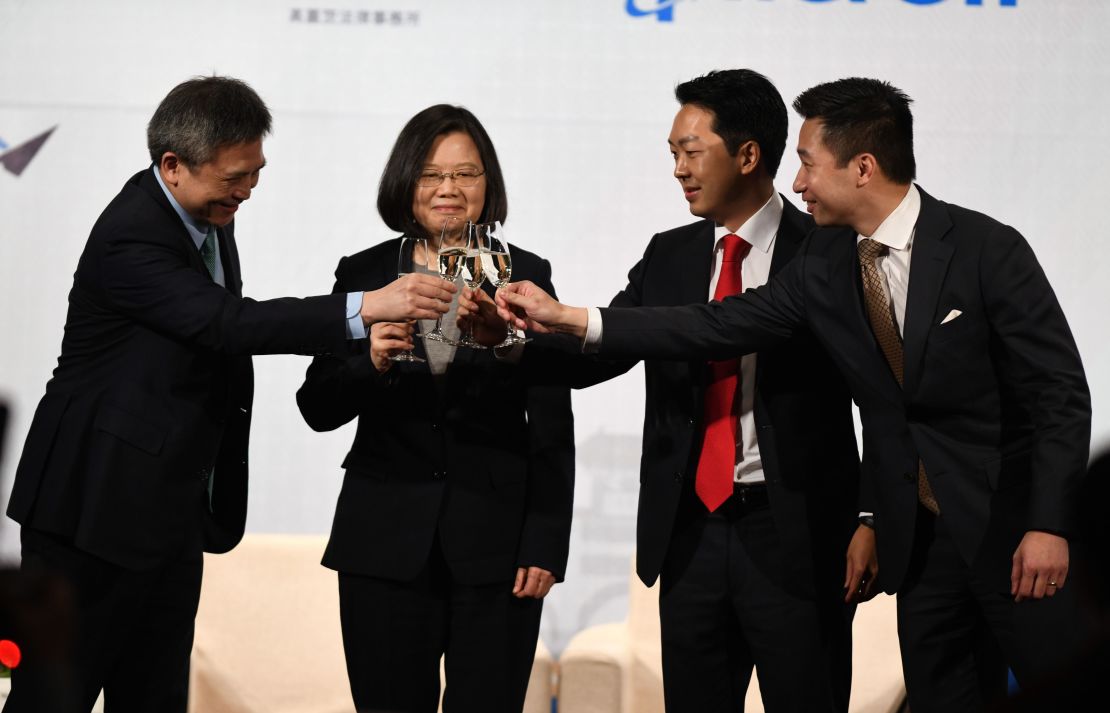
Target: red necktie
717	463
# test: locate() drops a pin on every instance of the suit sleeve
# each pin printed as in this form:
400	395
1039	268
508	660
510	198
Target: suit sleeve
338	385
545	538
1040	369
141	274
741	324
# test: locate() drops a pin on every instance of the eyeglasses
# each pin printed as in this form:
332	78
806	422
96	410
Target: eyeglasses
464	177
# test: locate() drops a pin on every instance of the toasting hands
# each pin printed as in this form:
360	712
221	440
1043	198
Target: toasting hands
479	311
526	306
413	296
387	339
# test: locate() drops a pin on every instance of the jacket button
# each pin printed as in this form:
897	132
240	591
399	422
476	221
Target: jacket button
910	477
439	475
678	476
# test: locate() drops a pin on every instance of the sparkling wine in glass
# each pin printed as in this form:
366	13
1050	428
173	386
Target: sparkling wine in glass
411	250
473	275
499	264
449	262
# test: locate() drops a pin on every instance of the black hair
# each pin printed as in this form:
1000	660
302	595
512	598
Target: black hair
746	107
203	114
406	162
864	116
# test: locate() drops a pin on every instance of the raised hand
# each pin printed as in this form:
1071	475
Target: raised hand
477	309
414	296
387	339
526	306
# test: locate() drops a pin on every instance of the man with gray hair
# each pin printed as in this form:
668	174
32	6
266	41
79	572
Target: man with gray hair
136	460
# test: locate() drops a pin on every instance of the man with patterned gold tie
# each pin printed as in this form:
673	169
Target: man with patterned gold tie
136	459
749	471
975	407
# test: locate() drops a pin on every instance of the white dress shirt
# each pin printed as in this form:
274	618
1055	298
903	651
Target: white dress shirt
896	233
759	231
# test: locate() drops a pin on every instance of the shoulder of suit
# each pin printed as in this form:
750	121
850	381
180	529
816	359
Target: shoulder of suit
968	224
137	204
684	233
794	223
966	218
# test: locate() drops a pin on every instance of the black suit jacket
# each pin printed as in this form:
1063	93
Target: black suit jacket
995	401
802	413
481	460
153	390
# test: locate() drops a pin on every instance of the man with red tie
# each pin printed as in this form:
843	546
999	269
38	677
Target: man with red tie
749	472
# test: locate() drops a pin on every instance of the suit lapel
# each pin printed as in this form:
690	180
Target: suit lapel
229	256
928	266
792	231
693	261
845	285
149	183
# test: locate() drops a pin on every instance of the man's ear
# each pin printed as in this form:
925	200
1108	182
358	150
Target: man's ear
748	157
171	166
866	169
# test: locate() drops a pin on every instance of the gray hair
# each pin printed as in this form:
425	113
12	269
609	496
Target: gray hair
203	114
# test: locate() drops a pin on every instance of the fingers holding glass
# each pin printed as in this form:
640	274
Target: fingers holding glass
499	266
449	261
412	250
473	274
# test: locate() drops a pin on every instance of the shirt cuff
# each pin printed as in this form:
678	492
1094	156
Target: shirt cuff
592	343
355	328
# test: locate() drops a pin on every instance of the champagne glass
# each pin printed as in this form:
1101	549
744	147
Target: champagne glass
406	258
499	265
449	262
473	275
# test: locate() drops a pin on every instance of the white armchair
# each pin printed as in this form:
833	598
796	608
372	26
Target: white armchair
268	637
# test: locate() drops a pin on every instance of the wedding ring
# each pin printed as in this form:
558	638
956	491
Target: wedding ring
1052	584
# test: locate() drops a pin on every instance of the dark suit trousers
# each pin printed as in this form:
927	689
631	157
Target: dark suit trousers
721	615
395	632
133	634
959	628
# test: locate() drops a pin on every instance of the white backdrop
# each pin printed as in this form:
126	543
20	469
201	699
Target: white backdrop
577	95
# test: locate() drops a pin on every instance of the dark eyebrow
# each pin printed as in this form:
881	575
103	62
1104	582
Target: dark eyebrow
684	140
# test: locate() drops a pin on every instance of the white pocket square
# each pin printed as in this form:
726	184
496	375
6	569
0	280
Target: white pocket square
951	316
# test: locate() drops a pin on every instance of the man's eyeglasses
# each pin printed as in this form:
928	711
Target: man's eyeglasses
464	177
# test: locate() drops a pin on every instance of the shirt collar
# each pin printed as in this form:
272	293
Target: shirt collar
896	230
198	231
760	230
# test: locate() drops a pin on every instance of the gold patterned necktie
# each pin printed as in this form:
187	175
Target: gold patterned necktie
890	342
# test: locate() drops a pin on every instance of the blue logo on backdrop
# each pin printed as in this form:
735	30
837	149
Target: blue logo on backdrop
664	9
